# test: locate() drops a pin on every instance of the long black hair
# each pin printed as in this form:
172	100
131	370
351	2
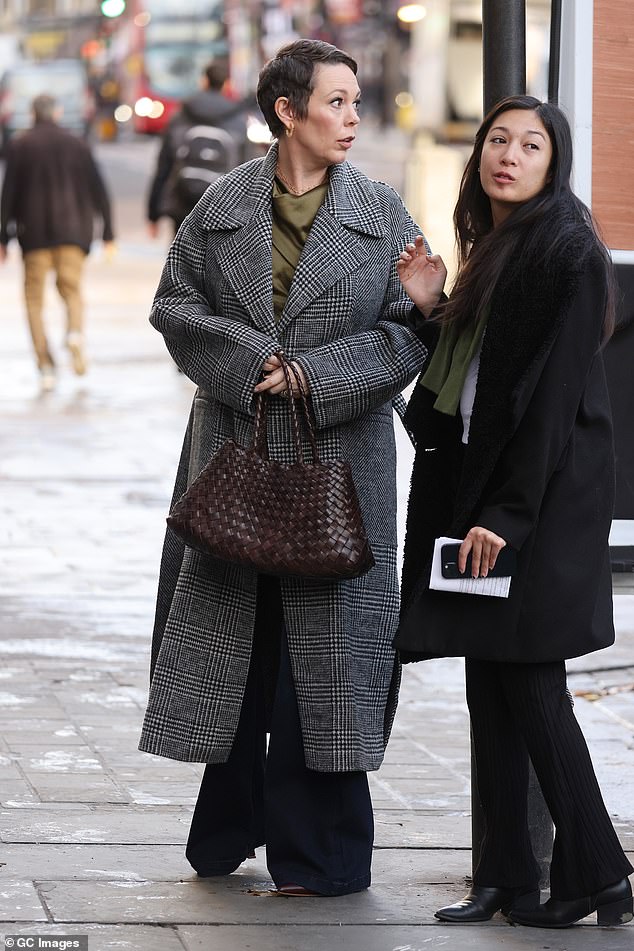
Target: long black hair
536	231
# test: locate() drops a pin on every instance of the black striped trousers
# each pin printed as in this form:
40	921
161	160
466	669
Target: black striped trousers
520	711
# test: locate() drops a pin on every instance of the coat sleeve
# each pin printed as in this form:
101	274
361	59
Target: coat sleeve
10	190
224	357
427	329
520	480
100	199
164	165
353	375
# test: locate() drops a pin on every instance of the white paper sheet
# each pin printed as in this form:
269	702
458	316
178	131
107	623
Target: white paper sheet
491	587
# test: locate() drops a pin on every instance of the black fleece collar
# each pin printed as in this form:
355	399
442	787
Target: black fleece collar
528	308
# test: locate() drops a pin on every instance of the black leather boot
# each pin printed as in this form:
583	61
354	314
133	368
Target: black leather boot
613	906
482	902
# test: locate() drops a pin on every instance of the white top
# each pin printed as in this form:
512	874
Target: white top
467	397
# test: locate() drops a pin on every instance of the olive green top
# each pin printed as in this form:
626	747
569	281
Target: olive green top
293	216
446	374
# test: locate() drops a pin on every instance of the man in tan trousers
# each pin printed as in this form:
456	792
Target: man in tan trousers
51	192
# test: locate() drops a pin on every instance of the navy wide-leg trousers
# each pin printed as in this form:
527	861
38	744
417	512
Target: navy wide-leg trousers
318	827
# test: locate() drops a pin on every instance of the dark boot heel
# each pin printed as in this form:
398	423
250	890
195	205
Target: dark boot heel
616	913
525	901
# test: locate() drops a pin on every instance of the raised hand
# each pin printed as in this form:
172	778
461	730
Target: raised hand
422	275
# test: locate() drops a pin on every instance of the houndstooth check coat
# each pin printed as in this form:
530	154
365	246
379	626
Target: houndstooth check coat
344	322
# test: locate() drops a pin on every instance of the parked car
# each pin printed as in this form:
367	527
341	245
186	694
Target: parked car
65	79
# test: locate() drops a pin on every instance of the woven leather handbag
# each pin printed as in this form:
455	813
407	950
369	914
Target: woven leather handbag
291	520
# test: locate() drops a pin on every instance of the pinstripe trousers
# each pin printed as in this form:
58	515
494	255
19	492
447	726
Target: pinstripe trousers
520	711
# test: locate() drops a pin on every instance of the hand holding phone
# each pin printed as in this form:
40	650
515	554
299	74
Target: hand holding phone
505	565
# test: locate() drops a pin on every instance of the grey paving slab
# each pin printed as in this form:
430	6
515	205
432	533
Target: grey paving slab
404	867
107	825
625	832
75	759
239	897
38	734
415	794
76	788
109	937
129	770
126	754
427	804
96	862
19	901
56	862
9	768
10	700
489	936
395	829
415	771
17	792
121	729
166	793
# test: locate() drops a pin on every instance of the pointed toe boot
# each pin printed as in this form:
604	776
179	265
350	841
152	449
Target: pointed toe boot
613	906
483	902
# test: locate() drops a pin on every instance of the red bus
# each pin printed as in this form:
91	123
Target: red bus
160	50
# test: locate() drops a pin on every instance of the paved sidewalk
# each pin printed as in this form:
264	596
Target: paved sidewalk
92	831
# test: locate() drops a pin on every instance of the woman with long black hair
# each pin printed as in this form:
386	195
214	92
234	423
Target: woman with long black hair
514	448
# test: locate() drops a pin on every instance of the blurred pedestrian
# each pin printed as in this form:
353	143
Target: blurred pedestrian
295	251
514	448
205	139
51	192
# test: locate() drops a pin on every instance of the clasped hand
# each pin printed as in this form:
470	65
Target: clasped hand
422	275
274	381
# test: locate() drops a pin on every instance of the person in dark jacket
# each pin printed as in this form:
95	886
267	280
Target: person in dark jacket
514	448
207	108
51	193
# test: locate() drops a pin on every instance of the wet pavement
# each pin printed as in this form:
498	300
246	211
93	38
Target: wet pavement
91	830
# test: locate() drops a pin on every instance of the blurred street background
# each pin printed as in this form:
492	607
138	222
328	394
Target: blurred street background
121	68
91	831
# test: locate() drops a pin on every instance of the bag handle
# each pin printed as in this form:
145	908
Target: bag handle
260	441
310	428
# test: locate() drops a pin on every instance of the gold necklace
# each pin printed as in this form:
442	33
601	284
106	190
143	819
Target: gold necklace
294	191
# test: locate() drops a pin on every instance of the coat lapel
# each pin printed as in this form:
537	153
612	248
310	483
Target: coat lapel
244	211
335	246
245	261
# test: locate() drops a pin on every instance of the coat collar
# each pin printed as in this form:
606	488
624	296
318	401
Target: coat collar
245	194
241	204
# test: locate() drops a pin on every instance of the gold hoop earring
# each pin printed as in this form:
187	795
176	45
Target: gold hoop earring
289	130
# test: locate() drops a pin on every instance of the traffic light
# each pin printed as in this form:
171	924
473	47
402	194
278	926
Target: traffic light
112	8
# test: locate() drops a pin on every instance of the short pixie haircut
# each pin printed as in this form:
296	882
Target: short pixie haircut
291	74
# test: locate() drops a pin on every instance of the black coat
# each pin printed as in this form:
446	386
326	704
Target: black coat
52	191
538	471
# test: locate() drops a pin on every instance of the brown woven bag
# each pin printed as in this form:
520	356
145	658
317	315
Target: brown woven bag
301	519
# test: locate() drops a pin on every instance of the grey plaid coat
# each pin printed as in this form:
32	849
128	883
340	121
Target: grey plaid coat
344	322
